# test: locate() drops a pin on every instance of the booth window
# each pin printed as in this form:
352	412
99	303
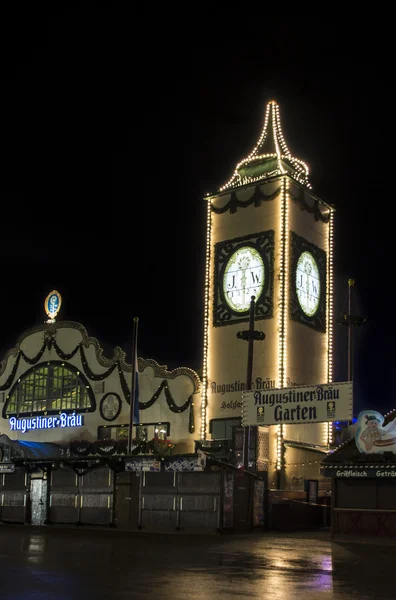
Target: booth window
160	431
223	429
142	432
51	388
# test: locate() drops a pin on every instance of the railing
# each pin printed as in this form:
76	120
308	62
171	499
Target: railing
220	447
289	510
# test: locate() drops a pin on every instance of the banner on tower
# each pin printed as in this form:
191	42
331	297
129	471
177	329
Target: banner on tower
302	404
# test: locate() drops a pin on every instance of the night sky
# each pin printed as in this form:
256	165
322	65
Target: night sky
113	129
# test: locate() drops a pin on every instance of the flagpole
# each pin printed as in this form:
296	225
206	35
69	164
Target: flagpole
133	383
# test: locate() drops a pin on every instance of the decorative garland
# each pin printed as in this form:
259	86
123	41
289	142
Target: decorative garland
257	198
124	386
105	447
171	403
300	199
163	385
29	361
11	376
50	342
81	447
90	374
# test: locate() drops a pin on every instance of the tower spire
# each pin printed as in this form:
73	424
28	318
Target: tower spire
269	157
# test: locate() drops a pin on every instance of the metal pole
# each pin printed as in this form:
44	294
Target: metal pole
250	345
133	383
351	320
249	372
351	283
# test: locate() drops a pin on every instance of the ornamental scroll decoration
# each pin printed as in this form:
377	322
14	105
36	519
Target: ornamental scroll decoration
50	342
49	332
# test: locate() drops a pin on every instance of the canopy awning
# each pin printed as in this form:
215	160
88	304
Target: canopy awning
27	449
305	446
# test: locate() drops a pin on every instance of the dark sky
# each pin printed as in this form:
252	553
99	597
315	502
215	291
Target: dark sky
115	125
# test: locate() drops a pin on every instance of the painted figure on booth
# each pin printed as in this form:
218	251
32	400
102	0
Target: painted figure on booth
371	434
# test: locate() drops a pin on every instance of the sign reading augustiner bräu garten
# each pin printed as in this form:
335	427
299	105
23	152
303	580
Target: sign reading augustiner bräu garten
303	404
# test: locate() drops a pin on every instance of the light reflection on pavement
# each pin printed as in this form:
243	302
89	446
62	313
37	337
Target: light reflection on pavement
85	564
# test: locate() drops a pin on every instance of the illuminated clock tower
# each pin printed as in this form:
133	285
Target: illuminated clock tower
270	237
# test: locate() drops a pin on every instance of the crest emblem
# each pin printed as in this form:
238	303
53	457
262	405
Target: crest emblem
52	304
331	407
260	414
110	406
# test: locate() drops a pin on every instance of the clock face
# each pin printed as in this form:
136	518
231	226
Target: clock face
243	278
308	283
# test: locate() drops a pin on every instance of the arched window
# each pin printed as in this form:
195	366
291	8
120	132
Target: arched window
50	388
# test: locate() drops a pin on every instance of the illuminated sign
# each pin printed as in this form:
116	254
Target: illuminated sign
7	468
360	473
32	423
52	304
143	464
372	437
300	404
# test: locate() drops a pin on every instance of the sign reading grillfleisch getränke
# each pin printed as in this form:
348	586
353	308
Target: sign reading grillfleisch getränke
302	404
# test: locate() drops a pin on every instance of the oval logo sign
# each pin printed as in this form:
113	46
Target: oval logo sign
52	304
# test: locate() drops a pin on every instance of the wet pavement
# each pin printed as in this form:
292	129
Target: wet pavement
80	564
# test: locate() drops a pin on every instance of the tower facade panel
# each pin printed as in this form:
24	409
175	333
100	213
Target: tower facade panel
250	226
268	238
